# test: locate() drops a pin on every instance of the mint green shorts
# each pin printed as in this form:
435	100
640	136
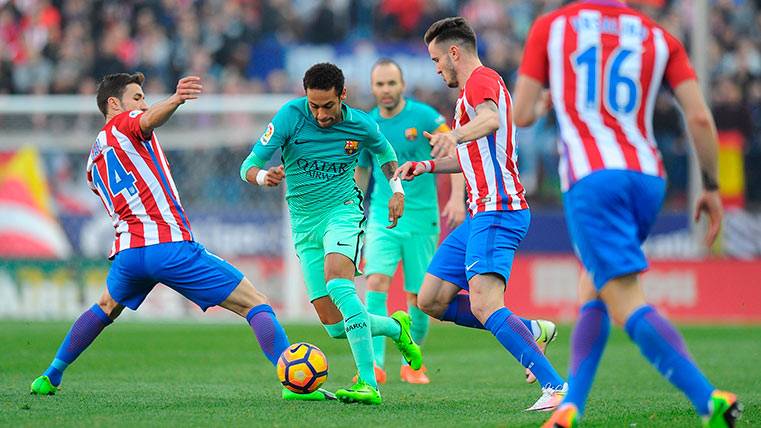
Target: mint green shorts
341	231
384	248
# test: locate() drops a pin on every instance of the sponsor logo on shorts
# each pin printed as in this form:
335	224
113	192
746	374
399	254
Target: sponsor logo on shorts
470	266
341	244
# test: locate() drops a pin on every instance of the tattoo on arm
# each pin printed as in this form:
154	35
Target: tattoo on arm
389	168
709	183
487	105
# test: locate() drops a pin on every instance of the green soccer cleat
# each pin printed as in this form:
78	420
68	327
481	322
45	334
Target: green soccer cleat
319	395
409	349
361	392
43	386
725	410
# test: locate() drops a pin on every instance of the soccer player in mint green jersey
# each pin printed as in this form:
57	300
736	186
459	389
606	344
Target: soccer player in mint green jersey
413	241
320	138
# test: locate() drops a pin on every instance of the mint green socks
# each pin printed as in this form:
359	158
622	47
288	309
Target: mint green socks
356	326
376	305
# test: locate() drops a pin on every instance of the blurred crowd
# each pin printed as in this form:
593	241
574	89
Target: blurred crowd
64	46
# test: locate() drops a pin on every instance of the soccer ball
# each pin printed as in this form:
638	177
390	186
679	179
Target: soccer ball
302	368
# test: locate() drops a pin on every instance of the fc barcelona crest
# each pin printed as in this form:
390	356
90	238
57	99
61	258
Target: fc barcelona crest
351	147
410	134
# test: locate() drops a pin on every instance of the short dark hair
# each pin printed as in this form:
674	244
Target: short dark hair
113	85
452	29
324	76
388	61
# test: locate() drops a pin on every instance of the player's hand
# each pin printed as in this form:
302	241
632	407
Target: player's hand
710	203
443	143
454	212
274	176
409	170
395	209
188	88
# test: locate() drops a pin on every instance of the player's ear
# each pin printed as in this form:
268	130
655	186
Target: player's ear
114	104
454	52
343	95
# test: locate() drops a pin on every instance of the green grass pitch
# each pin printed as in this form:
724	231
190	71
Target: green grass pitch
141	374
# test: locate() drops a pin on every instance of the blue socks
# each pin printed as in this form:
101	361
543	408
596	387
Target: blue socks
81	334
268	331
459	313
664	347
514	336
587	345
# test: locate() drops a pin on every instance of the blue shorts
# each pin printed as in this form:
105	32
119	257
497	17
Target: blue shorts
483	244
609	215
186	267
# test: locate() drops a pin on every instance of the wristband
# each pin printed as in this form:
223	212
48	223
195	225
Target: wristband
396	185
261	176
430	165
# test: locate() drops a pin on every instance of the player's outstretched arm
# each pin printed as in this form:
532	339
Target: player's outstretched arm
702	129
409	170
485	123
188	88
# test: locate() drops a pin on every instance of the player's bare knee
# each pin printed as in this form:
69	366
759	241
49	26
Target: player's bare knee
482	306
430	306
377	282
412	300
110	307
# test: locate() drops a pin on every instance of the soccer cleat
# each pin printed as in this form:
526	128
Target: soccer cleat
414	376
566	416
550	399
548	333
380	376
319	395
361	392
409	349
724	409
43	386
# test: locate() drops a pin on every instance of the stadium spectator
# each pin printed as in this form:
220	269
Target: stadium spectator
61	47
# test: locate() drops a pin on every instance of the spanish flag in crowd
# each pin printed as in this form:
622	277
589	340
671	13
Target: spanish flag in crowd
28	226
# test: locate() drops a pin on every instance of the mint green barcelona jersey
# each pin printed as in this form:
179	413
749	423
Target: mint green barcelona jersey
405	133
319	162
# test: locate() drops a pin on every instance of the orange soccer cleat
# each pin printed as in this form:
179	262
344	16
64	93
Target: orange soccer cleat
414	376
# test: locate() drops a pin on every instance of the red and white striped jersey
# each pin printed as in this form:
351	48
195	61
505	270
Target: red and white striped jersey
604	63
131	175
490	164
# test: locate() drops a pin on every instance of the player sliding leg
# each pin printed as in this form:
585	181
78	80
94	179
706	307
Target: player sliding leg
168	255
245	300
